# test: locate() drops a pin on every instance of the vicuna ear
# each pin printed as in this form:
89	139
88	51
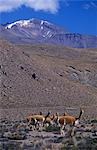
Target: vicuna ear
57	114
40	113
65	114
49	112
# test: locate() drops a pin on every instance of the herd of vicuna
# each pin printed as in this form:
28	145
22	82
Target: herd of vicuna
40	120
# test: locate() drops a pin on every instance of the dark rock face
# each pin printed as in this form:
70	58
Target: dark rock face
39	31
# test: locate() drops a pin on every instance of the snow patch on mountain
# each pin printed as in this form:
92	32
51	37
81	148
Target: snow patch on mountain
41	27
25	23
42	22
20	22
49	34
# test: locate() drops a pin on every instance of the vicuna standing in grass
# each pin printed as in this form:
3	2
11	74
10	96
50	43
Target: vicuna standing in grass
71	120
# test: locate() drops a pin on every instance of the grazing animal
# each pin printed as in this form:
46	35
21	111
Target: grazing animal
37	119
49	120
67	119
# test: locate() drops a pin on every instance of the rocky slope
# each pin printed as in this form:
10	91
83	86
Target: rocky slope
44	77
40	31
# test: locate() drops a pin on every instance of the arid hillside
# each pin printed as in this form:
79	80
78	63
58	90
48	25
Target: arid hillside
45	77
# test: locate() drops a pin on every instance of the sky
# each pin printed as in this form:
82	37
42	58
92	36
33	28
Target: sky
77	16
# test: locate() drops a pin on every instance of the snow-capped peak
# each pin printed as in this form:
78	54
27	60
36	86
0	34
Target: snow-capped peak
20	22
25	23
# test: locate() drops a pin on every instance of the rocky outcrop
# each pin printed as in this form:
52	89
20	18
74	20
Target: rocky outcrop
86	77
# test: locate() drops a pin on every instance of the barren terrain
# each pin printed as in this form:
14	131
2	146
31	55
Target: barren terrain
44	77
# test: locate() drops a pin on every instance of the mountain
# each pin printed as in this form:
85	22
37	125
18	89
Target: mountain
35	31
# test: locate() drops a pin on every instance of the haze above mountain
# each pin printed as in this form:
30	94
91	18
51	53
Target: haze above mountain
36	31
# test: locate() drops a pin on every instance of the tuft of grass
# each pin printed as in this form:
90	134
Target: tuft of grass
52	128
69	148
94	121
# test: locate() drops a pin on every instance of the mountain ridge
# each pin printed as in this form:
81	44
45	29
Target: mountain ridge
35	31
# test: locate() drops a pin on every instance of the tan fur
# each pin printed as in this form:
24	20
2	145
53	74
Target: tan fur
67	119
39	118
